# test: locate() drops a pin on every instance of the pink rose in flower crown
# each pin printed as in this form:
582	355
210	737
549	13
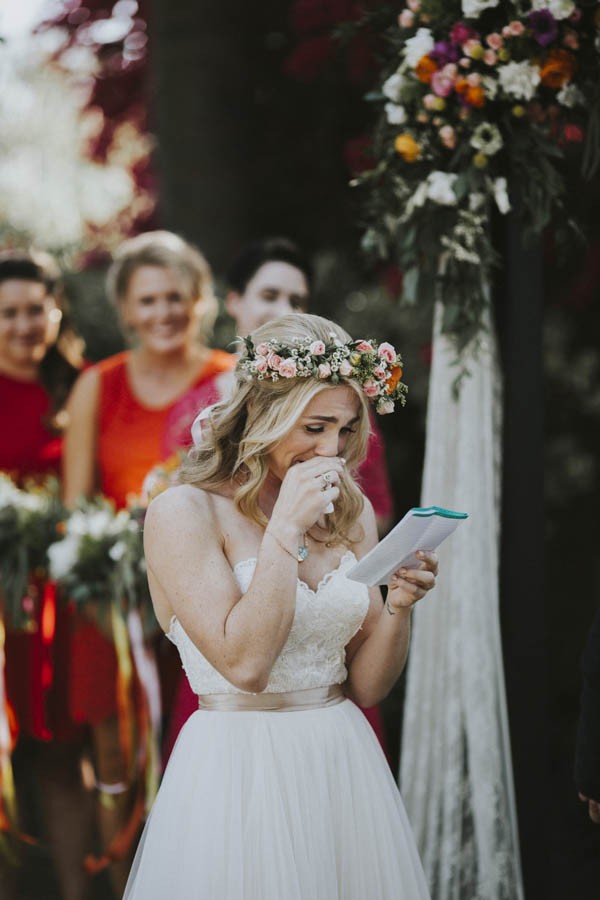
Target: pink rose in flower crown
317	348
387	352
429	101
490	57
262	350
324	370
371	388
385	407
345	368
260	365
513	29
415	5
406	18
274	361
494	40
288	368
364	347
379	372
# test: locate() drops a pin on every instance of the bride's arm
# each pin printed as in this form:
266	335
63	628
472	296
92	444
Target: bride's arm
376	656
241	635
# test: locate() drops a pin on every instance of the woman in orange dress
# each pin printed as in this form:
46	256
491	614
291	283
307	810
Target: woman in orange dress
119	413
40	358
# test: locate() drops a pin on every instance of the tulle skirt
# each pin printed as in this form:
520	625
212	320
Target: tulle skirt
295	805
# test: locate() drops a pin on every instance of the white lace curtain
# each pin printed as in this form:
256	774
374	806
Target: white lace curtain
456	771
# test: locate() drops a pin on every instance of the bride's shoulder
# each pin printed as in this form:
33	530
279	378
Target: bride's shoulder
179	500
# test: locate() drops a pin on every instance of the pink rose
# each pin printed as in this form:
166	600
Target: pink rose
387	352
384	407
429	101
274	361
464	63
288	368
474	79
513	29
324	370
448	136
442	84
490	57
317	348
262	350
364	347
345	368
261	364
379	372
571	40
415	5
371	388
406	18
494	40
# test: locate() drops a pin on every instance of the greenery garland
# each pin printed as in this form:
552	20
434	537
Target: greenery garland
481	106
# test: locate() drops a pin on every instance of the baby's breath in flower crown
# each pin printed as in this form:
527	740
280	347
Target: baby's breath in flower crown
376	367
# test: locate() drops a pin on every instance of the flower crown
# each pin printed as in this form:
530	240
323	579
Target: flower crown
376	367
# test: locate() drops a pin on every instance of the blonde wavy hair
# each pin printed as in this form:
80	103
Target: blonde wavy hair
243	430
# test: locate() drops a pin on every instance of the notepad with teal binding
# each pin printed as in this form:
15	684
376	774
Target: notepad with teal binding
422	528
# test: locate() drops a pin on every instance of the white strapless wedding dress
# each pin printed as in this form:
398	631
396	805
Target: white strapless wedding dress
280	805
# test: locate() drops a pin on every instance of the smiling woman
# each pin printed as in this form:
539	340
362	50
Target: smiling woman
119	411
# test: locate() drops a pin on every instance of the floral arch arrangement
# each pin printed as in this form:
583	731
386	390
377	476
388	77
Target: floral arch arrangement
482	105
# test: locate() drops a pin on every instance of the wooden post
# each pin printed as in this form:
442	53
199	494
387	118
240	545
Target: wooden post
520	316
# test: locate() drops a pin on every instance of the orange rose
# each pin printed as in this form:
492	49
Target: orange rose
394	378
475	96
425	69
558	68
461	86
406	146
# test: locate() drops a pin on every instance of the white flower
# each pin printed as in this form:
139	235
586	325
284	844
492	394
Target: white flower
490	86
418	46
395	114
501	195
570	95
476	201
440	188
519	79
117	551
10	495
472	9
63	555
487	138
393	86
560	9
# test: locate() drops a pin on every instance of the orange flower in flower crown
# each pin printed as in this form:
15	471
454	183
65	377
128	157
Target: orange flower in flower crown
559	67
406	146
395	376
425	69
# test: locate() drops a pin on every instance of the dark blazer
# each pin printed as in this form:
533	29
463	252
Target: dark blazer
587	751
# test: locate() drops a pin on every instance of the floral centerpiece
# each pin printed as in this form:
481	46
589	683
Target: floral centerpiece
29	519
481	104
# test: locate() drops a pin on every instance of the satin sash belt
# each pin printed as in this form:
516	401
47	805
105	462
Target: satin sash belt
313	698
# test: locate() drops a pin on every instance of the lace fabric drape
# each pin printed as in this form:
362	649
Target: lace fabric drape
456	770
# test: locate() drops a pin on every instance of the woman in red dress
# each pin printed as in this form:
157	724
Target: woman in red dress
268	279
39	361
119	414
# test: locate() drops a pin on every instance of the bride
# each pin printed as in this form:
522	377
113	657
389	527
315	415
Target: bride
278	789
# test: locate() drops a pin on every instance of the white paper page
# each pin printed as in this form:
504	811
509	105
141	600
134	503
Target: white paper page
420	529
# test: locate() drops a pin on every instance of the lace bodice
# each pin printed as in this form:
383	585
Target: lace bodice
314	653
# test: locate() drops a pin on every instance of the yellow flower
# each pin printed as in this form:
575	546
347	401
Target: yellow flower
354	359
480	160
503	54
406	146
518	111
439	103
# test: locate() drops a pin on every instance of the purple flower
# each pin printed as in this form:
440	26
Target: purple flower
444	52
544	27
